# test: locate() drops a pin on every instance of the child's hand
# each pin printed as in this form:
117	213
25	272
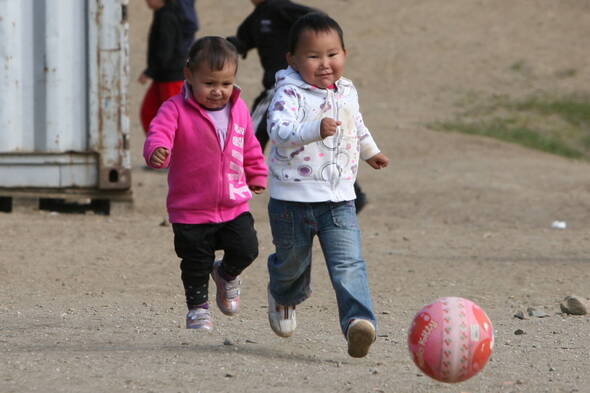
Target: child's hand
378	161
328	127
143	79
159	156
256	189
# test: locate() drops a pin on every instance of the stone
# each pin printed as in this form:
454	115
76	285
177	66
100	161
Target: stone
574	305
533	312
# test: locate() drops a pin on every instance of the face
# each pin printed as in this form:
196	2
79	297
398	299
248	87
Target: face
212	89
319	58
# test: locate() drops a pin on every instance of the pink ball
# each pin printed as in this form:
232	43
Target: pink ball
451	339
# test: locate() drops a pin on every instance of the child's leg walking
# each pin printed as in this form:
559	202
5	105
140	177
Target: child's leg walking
195	245
149	106
237	238
340	240
289	267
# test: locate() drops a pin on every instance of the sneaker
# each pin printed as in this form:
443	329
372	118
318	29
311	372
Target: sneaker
199	318
360	335
282	318
228	292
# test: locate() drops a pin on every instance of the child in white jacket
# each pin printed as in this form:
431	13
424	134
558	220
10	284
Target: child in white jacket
317	134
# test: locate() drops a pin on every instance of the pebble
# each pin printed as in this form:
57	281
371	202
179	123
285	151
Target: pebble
574	305
518	332
520	315
533	312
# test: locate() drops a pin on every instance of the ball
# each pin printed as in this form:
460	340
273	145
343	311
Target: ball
451	339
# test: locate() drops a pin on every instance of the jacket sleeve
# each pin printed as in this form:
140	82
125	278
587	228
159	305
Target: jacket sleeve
161	132
368	147
285	129
244	40
254	164
166	41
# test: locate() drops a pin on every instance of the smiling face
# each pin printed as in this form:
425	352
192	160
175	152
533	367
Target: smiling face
212	88
319	57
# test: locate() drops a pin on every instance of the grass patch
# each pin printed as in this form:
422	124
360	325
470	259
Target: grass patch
555	125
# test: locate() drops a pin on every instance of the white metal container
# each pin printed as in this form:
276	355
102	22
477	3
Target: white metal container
63	87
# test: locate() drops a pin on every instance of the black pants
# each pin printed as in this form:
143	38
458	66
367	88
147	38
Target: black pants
195	244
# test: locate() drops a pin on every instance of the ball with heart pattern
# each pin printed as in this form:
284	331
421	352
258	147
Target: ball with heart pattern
451	339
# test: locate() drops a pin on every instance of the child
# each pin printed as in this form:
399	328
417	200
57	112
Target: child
166	57
205	136
317	135
267	30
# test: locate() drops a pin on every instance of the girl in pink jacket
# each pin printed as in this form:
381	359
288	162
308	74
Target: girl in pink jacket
204	136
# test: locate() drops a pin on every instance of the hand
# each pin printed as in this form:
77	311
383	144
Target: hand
143	79
378	161
159	156
256	189
328	127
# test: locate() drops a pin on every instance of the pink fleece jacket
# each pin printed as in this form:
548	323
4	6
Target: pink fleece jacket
205	183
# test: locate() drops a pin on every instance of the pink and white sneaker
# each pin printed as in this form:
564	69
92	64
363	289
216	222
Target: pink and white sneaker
199	318
228	292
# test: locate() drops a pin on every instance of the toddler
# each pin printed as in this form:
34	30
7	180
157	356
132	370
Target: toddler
317	135
204	136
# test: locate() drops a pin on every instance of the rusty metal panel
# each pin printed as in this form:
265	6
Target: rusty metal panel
63	86
109	70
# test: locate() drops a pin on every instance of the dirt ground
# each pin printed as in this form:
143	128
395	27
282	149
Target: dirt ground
92	303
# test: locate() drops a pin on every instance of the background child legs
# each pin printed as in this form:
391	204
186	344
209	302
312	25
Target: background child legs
259	113
340	239
157	93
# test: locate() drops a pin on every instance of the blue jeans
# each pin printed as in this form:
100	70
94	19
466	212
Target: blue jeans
294	226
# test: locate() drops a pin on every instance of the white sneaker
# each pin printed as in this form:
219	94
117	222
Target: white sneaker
282	318
360	335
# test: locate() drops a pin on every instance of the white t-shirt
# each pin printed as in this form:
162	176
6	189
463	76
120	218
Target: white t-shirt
220	118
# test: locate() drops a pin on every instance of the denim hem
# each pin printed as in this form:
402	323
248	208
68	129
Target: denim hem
299	300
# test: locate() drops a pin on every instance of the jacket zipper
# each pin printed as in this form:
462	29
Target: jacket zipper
337	139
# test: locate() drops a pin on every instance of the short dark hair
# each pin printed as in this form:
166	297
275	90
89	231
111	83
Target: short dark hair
212	51
316	22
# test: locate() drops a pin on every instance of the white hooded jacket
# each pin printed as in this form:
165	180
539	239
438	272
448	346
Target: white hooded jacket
303	166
